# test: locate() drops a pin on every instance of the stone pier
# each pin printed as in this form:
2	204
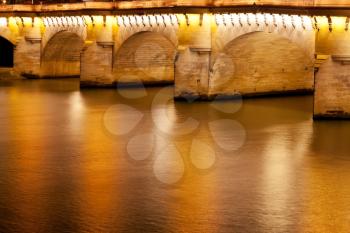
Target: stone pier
207	49
332	82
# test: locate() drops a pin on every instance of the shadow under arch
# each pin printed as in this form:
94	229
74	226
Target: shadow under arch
261	63
7	53
145	58
61	55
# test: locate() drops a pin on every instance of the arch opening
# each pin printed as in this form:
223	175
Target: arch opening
61	55
261	63
6	51
147	58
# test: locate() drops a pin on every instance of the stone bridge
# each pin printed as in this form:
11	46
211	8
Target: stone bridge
206	48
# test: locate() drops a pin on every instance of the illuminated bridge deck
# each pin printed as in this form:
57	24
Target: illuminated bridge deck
305	7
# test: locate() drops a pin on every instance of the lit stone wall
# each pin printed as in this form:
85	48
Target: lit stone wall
97	55
27	58
332	84
245	54
261	63
332	94
61	55
9	33
192	63
146	57
205	56
96	66
27	54
191	74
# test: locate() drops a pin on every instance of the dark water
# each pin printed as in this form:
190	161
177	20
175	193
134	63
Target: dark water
106	161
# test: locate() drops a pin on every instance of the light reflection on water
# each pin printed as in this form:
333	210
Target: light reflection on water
62	170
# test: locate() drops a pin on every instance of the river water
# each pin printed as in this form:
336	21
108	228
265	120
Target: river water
132	160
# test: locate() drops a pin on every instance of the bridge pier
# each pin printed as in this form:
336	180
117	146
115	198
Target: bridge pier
97	59
244	56
205	55
192	65
332	92
332	83
96	65
27	55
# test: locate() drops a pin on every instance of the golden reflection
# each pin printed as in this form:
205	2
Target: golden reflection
76	112
327	179
277	180
28	136
66	172
281	171
99	176
327	197
166	118
196	199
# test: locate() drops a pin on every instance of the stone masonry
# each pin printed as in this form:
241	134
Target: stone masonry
205	54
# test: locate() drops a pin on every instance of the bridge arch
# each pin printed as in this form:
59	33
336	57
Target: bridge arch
302	37
146	57
261	63
125	33
61	55
51	31
7	53
9	35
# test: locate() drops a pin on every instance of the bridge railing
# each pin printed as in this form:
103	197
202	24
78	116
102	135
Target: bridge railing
38	5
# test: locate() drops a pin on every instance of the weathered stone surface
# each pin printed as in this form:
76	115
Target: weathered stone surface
96	66
247	56
193	60
191	72
60	60
332	84
146	57
27	58
258	63
332	92
8	34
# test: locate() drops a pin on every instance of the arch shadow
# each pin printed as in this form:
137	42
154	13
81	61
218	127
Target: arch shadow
146	57
261	63
7	53
62	55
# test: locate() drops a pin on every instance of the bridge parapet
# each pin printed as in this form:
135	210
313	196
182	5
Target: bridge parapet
309	7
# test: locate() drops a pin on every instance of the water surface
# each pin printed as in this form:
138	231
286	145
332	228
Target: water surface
72	161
